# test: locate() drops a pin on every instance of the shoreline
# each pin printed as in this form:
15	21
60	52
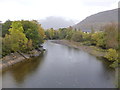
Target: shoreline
90	49
16	57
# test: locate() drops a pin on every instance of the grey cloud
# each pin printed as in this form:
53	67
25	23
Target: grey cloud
55	22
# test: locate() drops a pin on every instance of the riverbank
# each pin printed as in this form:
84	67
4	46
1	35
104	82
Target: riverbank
90	49
18	57
93	50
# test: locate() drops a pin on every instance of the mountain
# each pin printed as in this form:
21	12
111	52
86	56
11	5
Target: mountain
98	20
55	22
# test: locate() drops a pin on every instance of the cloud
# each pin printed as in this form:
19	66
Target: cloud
55	22
38	9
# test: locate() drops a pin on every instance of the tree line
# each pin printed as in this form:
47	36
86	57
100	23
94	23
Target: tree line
25	36
107	39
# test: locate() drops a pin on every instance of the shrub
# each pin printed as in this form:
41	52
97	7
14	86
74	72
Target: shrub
98	39
77	37
87	36
111	35
112	55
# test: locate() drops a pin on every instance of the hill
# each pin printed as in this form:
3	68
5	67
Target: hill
98	20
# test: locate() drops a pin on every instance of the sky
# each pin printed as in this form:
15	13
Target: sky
75	10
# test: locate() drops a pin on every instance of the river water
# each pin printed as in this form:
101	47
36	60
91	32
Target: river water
60	67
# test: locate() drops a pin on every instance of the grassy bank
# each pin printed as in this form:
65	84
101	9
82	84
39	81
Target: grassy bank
93	50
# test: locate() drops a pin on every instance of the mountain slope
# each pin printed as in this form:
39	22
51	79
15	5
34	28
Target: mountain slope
98	20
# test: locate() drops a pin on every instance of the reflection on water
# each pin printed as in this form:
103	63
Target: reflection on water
21	71
60	66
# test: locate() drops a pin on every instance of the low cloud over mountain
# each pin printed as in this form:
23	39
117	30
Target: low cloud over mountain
55	22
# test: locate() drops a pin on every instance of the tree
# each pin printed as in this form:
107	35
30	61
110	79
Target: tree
34	32
5	27
41	31
56	34
87	36
77	36
111	35
18	40
22	36
29	45
47	34
6	45
69	34
51	31
99	39
62	33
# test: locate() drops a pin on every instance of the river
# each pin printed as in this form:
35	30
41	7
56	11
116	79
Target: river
60	67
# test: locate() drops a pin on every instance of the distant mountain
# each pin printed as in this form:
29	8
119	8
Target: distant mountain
55	22
98	20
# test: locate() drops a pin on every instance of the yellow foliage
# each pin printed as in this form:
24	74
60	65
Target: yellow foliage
112	55
29	44
41	31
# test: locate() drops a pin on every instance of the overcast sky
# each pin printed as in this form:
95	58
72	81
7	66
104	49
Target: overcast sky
39	9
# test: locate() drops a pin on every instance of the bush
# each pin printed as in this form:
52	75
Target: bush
77	37
87	36
114	64
98	39
111	35
112	55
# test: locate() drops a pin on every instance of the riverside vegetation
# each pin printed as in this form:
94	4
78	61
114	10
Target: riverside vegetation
106	40
21	36
24	36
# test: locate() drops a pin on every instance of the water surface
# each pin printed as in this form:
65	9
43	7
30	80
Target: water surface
60	67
